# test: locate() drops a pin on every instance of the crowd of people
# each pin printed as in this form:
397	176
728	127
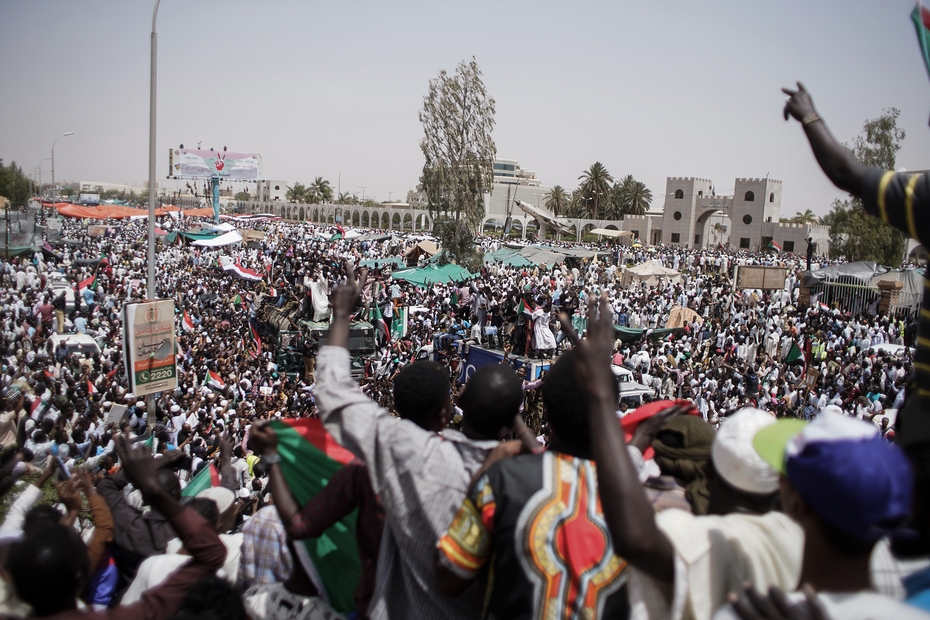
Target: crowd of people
765	454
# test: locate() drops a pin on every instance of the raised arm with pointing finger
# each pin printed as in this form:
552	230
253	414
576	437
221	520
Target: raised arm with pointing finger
900	199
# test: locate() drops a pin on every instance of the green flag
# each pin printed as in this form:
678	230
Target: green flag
207	477
921	17
309	459
794	354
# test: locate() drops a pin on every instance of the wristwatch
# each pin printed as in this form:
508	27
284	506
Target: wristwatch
271	459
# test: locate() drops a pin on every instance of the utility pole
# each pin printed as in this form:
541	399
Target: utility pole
70	133
153	80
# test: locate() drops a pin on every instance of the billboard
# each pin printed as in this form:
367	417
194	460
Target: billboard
149	344
208	164
765	278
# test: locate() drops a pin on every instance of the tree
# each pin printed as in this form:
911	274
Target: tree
322	189
14	184
854	234
458	118
243	196
807	217
595	188
299	193
557	200
630	197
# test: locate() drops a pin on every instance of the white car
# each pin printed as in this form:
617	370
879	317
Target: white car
897	350
59	284
76	343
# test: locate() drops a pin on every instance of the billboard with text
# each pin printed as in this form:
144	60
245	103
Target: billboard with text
208	164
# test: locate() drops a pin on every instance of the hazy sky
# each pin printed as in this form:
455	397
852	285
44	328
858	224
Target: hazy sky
652	89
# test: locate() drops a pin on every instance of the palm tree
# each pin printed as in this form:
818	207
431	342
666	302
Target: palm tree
299	193
344	198
637	197
630	197
807	217
557	200
595	187
323	189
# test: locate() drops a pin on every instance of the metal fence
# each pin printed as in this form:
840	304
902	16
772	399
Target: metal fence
847	293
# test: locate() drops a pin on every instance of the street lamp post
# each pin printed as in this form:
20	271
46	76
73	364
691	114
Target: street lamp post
69	133
38	169
364	187
153	78
152	90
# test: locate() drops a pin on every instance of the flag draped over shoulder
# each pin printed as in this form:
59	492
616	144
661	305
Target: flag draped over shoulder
377	319
207	477
309	459
186	323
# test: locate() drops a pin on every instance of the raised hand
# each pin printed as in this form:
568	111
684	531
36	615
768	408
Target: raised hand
346	296
262	439
592	362
139	466
776	606
799	104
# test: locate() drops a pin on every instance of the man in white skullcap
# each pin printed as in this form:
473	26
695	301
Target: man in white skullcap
705	555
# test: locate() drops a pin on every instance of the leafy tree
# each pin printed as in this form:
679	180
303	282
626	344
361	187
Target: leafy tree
243	196
14	184
322	189
807	217
299	193
630	197
557	200
576	206
854	234
458	118
595	189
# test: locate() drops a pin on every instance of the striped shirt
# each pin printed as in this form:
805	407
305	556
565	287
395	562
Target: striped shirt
421	479
903	200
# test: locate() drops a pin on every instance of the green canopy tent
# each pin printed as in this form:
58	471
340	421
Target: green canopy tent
631	334
433	274
509	257
396	261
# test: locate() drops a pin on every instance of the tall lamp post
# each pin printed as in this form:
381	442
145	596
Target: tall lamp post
35	171
150	400
69	133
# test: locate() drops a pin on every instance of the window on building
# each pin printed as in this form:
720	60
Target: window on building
747	219
679	194
700	192
509	167
772	197
744	243
676	238
277	187
635	234
676	215
788	246
697	239
749	197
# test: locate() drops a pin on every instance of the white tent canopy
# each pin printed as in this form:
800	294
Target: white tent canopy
610	232
229	238
650	273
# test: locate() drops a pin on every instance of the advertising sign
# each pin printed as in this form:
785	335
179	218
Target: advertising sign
765	278
208	164
149	346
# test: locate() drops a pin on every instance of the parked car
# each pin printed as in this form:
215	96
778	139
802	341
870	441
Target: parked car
58	284
77	344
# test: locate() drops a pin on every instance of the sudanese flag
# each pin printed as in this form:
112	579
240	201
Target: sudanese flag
309	459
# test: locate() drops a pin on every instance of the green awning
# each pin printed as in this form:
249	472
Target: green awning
433	274
631	334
